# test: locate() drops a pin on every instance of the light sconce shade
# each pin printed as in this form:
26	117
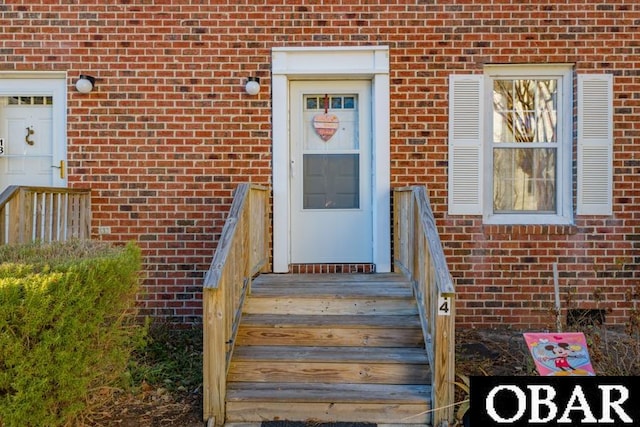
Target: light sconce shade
85	83
253	85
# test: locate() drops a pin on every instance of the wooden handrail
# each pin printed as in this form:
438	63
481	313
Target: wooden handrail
418	254
242	252
44	214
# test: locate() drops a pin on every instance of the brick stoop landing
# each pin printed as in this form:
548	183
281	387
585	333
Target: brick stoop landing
332	268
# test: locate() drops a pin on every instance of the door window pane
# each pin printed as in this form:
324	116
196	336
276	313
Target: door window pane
26	100
334	111
331	181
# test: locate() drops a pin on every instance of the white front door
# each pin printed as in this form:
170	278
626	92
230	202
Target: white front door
25	126
32	151
330	172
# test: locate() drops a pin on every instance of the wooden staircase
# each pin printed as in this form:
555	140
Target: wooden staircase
329	348
333	348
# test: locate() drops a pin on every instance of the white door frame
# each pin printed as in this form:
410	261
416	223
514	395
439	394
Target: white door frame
48	84
318	63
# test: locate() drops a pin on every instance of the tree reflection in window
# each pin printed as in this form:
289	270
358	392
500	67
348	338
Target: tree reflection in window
525	123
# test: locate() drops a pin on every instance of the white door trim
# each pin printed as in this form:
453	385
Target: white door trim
49	84
317	63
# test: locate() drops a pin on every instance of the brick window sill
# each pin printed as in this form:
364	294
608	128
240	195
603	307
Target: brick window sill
527	230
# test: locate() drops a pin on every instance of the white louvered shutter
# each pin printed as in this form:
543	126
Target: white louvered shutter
465	144
595	144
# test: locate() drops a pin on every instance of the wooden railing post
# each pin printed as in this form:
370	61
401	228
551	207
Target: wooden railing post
418	254
17	218
214	385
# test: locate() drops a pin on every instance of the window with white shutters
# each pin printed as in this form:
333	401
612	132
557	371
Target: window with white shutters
511	144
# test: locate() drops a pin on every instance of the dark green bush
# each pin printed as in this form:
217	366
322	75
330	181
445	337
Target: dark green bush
67	327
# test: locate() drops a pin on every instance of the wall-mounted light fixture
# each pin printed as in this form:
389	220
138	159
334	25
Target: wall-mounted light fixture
253	85
85	83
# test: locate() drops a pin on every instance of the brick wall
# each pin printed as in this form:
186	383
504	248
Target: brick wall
168	132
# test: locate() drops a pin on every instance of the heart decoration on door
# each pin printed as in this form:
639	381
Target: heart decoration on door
326	125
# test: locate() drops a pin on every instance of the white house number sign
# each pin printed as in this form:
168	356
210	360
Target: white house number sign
1	146
444	306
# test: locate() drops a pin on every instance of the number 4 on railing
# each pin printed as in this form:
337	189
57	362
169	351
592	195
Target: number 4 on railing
444	305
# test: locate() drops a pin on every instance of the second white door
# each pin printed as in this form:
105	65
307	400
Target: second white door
33	131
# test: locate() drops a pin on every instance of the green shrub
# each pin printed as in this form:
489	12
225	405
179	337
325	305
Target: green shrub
66	327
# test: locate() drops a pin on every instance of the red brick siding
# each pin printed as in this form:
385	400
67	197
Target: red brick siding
168	132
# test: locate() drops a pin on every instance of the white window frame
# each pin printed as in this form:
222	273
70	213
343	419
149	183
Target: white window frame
564	173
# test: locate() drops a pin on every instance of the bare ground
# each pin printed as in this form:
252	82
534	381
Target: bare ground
478	352
151	407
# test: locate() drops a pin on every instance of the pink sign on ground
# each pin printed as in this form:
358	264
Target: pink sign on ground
560	354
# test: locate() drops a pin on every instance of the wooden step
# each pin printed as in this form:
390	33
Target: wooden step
376	403
303	286
354	306
287	279
329	364
328	295
259	424
336	330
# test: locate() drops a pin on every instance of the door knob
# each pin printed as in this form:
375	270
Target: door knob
61	167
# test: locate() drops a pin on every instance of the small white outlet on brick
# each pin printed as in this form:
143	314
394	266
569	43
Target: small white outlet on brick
104	230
